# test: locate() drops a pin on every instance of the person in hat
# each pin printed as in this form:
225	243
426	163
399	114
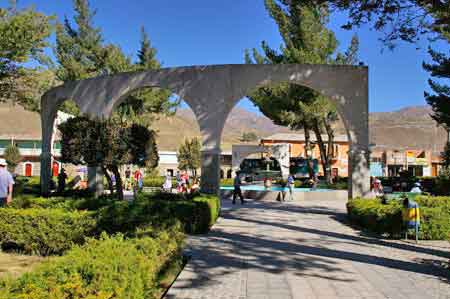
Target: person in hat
416	188
378	188
6	184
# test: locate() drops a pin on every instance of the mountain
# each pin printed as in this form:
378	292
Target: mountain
173	130
410	127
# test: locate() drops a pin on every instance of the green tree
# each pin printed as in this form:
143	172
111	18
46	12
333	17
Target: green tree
12	156
145	104
440	99
107	143
23	37
305	40
249	137
189	155
406	20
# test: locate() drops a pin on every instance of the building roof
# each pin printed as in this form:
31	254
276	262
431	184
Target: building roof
301	137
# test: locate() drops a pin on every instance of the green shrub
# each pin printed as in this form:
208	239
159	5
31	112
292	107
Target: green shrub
226	182
153	181
196	215
69	204
375	216
112	267
380	218
43	231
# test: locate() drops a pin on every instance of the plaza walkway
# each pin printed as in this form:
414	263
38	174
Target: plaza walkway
305	250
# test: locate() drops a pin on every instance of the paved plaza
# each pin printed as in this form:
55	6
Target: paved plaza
306	250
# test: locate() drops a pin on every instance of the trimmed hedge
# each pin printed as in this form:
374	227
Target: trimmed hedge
111	267
196	215
376	217
226	182
43	231
380	218
51	226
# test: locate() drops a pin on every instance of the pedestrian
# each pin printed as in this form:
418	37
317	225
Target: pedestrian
128	179
167	186
6	184
178	179
291	185
237	188
378	188
138	178
195	186
416	188
62	177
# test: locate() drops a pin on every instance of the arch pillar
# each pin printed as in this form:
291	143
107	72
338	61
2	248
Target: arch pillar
210	165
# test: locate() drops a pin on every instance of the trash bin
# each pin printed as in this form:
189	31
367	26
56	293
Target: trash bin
411	216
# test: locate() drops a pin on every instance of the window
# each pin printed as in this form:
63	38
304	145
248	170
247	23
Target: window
25	144
4	143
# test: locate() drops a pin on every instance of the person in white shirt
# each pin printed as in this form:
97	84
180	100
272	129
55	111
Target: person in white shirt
416	188
6	184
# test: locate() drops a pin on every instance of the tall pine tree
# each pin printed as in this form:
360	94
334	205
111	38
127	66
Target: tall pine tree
305	40
440	99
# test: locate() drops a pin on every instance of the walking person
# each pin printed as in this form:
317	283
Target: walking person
291	185
178	179
128	179
62	177
138	178
6	184
167	186
237	188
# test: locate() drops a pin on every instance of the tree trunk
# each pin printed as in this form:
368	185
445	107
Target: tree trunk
119	186
307	145
108	178
307	139
323	153
330	133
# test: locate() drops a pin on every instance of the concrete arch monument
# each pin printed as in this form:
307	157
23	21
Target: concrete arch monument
211	92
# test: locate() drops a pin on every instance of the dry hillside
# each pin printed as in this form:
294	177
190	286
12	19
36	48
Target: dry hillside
411	127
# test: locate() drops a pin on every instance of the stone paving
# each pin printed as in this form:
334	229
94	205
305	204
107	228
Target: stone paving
306	250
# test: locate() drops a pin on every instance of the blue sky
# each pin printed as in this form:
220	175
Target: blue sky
217	32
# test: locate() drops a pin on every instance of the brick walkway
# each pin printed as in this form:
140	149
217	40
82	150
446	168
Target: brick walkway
304	250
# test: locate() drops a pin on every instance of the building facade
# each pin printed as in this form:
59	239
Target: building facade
394	162
297	149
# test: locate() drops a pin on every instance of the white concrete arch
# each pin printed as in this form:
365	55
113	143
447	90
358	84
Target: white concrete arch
211	92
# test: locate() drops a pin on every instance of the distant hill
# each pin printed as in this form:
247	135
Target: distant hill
410	127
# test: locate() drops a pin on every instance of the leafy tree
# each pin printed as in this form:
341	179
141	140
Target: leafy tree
305	40
440	100
107	143
23	37
82	53
143	105
189	155
446	156
405	20
12	156
249	137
